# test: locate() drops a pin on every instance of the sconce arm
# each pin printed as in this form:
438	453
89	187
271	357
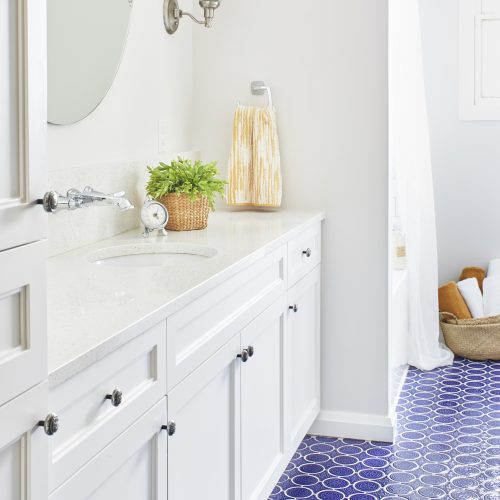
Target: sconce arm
182	14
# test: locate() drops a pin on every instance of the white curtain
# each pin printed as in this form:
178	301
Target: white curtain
411	162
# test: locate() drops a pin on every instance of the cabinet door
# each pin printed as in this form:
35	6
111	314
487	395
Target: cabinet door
132	467
23	340
203	454
262	402
23	121
24	447
303	356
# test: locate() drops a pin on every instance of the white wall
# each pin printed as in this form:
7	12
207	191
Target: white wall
465	154
327	66
112	145
154	82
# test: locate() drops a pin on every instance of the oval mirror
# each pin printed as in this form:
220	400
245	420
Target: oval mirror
86	40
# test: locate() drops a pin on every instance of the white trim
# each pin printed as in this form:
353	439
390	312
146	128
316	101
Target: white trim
392	412
472	104
355	426
400	388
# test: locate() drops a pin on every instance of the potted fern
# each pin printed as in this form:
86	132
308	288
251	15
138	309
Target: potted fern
188	189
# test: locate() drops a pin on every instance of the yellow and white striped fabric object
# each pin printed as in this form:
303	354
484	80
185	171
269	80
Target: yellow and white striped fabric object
254	163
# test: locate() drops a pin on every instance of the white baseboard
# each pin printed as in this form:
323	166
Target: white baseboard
355	426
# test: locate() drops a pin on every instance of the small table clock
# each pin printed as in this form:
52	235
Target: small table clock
154	216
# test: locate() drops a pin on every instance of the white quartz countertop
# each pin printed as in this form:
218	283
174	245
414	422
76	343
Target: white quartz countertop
93	309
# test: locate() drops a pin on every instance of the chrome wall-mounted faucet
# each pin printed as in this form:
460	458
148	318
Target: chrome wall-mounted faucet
53	201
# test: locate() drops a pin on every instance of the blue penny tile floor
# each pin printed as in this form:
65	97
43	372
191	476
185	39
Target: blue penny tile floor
447	446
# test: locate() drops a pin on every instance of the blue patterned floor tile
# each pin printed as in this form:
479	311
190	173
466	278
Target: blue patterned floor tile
447	445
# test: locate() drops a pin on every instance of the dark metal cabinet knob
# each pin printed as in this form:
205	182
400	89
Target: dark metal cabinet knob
243	355
307	252
251	351
116	397
50	424
170	428
294	308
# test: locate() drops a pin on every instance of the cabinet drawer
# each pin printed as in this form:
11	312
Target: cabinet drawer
206	324
89	421
304	253
133	466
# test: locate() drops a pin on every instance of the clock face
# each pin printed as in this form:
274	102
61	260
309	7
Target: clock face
154	215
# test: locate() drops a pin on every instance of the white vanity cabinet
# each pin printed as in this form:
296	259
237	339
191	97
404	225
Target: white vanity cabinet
216	397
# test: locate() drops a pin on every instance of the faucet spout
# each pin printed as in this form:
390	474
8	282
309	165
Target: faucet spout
124	204
97	198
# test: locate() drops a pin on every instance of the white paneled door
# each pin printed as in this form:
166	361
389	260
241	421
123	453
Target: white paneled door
23	121
303	355
23	339
24	446
262	402
203	454
23	173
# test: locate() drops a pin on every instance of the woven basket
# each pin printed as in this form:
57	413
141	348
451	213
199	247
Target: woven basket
477	339
185	214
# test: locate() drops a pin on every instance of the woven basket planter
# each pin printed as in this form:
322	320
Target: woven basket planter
477	339
185	214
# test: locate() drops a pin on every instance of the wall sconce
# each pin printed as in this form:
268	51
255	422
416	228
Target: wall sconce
172	14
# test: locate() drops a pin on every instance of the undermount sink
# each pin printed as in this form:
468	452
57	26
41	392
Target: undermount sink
151	255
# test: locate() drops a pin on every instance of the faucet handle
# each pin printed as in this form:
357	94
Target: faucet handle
53	201
92	193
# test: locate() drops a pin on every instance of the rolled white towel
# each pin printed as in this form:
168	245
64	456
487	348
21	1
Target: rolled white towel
494	267
491	295
472	295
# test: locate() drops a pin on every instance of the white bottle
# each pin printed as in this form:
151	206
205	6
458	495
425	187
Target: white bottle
398	247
